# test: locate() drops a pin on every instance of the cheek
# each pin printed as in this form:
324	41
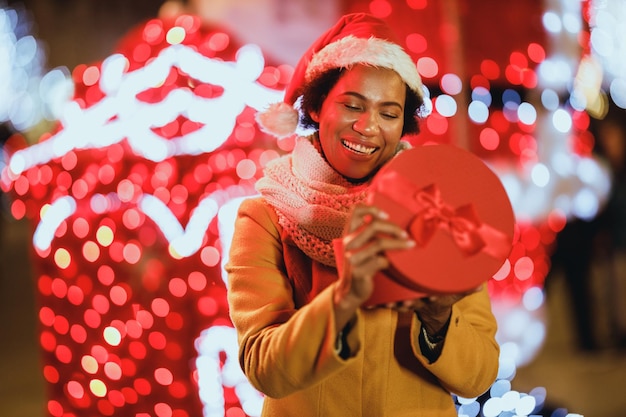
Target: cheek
393	134
334	124
389	153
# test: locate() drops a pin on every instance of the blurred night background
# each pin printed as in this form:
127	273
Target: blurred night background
127	139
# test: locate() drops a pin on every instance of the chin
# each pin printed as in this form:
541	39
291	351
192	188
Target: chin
357	179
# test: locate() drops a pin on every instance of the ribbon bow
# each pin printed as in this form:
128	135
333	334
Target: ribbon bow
431	214
462	223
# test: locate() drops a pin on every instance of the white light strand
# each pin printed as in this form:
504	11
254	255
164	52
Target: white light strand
53	216
183	241
212	379
121	115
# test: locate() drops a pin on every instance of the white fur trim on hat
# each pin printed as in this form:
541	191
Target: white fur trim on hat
377	52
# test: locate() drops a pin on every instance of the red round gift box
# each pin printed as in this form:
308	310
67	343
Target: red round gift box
458	212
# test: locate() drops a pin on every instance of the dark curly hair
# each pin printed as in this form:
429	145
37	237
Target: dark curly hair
314	93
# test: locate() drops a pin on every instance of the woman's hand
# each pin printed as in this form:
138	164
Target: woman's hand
367	236
434	311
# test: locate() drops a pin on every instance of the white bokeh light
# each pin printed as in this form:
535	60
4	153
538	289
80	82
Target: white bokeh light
562	121
540	175
478	112
445	105
527	113
552	22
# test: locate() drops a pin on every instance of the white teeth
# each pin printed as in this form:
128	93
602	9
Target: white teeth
356	147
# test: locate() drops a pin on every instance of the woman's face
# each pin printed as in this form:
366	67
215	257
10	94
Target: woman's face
361	120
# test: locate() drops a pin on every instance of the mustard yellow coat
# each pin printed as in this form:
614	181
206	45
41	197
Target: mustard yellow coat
281	306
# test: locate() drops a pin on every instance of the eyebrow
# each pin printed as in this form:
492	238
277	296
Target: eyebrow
362	97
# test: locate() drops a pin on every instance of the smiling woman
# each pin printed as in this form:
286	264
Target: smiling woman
307	338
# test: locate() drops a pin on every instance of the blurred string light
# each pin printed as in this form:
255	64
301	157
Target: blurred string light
550	175
550	179
28	94
215	373
603	69
561	181
134	119
556	180
184	241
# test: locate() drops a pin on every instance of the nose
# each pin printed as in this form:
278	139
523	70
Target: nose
366	124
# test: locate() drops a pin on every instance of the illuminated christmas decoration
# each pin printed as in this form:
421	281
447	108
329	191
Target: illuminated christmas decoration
125	199
132	198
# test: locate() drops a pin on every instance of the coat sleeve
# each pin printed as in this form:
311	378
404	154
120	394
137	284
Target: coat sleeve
469	360
281	349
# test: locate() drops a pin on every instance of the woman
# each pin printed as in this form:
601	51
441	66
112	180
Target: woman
306	340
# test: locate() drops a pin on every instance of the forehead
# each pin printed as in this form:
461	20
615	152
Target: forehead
371	81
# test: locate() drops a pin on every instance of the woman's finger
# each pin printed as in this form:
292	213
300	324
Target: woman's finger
374	248
375	230
363	214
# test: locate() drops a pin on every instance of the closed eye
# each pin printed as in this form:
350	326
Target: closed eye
352	107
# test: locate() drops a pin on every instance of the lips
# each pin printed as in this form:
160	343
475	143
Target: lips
358	148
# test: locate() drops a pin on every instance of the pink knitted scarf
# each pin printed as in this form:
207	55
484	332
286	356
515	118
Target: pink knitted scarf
312	200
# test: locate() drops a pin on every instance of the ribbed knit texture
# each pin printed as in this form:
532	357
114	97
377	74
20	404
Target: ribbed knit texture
311	199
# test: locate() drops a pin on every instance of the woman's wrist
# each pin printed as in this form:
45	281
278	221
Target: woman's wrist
435	325
344	300
345	307
431	346
432	340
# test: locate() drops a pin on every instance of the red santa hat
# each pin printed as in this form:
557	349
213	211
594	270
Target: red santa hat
357	38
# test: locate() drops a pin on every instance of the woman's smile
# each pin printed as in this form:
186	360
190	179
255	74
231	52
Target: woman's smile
358	148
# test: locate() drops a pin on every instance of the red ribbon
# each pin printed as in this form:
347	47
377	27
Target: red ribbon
432	214
462	223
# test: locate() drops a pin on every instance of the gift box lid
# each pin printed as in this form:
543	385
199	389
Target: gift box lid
457	211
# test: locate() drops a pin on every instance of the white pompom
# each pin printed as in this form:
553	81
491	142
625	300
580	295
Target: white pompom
279	120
